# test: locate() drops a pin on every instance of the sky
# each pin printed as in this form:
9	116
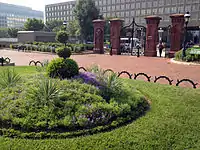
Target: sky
34	4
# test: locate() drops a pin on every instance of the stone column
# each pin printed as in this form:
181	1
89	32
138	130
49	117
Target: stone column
177	33
115	29
151	35
99	36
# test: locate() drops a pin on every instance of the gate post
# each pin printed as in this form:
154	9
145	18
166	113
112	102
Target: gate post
98	36
177	31
151	35
115	29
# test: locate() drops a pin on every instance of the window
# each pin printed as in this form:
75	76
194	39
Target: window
137	5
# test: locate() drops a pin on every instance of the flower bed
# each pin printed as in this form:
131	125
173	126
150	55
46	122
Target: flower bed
52	108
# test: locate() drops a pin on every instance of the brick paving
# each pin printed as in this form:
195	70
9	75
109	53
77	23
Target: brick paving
151	66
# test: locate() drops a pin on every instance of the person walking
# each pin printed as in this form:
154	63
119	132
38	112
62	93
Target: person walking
160	47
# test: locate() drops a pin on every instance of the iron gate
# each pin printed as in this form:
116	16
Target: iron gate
133	39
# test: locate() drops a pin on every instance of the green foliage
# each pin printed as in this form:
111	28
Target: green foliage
110	85
50	47
33	25
62	37
54	108
189	57
62	68
89	46
8	78
73	28
64	52
12	32
4	33
52	25
86	12
171	123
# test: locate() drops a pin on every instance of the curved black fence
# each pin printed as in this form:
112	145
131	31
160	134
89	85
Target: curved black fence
35	63
82	68
163	77
108	70
125	72
187	80
143	74
170	81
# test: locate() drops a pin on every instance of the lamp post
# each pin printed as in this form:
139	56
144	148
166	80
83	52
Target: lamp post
160	31
65	24
187	19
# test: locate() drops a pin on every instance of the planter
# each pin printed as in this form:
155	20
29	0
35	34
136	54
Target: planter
10	64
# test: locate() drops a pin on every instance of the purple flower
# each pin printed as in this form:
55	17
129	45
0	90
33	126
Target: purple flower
88	77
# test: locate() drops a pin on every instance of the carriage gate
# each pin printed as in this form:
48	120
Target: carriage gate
133	39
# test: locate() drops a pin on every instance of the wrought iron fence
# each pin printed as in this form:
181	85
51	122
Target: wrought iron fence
149	78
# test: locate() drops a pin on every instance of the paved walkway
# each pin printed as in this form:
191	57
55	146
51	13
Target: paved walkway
152	66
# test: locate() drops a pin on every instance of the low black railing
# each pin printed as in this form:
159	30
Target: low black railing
170	81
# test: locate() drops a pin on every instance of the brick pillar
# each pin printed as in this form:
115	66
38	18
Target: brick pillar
115	28
177	33
151	35
99	36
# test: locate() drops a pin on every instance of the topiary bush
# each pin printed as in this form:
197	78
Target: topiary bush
62	37
62	68
64	52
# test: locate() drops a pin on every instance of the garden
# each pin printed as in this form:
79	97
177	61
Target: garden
59	107
192	54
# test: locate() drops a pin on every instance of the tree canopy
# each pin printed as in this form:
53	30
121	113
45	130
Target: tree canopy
33	25
73	28
53	25
12	32
85	12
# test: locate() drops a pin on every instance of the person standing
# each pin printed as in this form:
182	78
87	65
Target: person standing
160	47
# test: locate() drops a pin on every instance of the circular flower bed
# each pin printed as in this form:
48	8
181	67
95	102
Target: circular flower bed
51	108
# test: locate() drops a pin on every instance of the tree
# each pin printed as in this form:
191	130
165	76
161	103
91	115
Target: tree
73	28
33	25
4	33
62	37
12	32
85	12
53	25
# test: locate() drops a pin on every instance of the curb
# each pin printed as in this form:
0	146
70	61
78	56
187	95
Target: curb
183	63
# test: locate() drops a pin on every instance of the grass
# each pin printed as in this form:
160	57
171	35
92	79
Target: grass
173	122
23	70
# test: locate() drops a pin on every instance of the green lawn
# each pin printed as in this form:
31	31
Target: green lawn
173	122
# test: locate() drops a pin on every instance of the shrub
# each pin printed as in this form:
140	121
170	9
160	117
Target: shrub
110	85
89	46
189	57
53	108
64	52
62	37
77	49
62	68
9	78
87	77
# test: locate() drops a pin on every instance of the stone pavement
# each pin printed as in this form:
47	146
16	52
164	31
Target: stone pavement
149	65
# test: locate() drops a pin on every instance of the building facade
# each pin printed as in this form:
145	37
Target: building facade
14	16
127	9
60	11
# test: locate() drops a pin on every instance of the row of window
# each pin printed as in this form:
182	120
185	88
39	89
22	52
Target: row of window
60	7
49	14
68	18
181	8
145	3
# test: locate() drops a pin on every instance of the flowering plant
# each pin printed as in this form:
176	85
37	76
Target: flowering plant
88	77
